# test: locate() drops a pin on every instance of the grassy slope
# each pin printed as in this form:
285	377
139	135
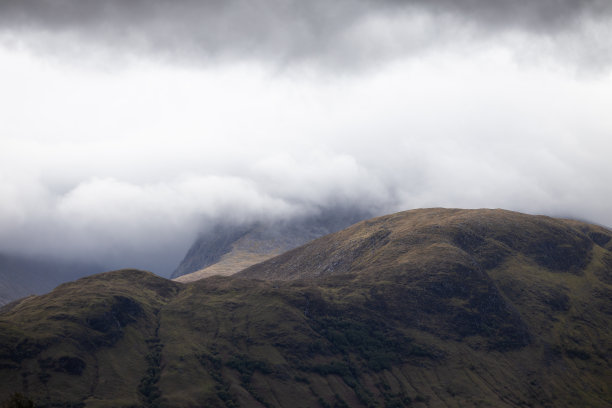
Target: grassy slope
426	308
83	341
230	263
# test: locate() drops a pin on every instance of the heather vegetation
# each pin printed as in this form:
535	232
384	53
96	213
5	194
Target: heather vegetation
418	309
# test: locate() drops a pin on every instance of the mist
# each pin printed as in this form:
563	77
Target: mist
128	130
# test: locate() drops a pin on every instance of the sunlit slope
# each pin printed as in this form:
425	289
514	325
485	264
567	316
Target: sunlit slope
234	261
428	308
226	248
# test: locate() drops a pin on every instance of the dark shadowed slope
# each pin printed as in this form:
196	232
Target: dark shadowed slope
87	340
427	308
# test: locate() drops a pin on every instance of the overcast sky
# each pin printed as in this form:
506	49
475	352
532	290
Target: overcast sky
127	127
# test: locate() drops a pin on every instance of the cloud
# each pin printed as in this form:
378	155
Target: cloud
150	225
340	34
184	149
125	166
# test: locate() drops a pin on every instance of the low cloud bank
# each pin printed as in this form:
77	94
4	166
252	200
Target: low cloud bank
150	225
239	111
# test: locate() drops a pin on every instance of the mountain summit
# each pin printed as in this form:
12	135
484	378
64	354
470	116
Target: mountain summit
424	308
433	238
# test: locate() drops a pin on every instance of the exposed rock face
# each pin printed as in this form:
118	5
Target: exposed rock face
209	248
227	249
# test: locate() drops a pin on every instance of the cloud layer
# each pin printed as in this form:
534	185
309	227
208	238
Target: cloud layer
340	34
127	168
246	110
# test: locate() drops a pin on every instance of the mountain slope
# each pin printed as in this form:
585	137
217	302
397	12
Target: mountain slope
226	249
85	339
477	238
427	308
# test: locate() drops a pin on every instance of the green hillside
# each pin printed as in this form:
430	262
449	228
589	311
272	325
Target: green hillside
425	308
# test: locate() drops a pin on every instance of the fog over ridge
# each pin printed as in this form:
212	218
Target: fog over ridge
128	127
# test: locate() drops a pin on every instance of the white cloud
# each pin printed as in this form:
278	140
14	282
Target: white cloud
126	166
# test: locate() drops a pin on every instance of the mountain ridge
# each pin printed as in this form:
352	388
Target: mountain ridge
468	228
425	308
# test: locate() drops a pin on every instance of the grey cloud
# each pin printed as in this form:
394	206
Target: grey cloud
421	145
336	32
122	224
540	16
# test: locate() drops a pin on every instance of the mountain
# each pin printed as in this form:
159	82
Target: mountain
226	248
477	239
22	276
425	308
